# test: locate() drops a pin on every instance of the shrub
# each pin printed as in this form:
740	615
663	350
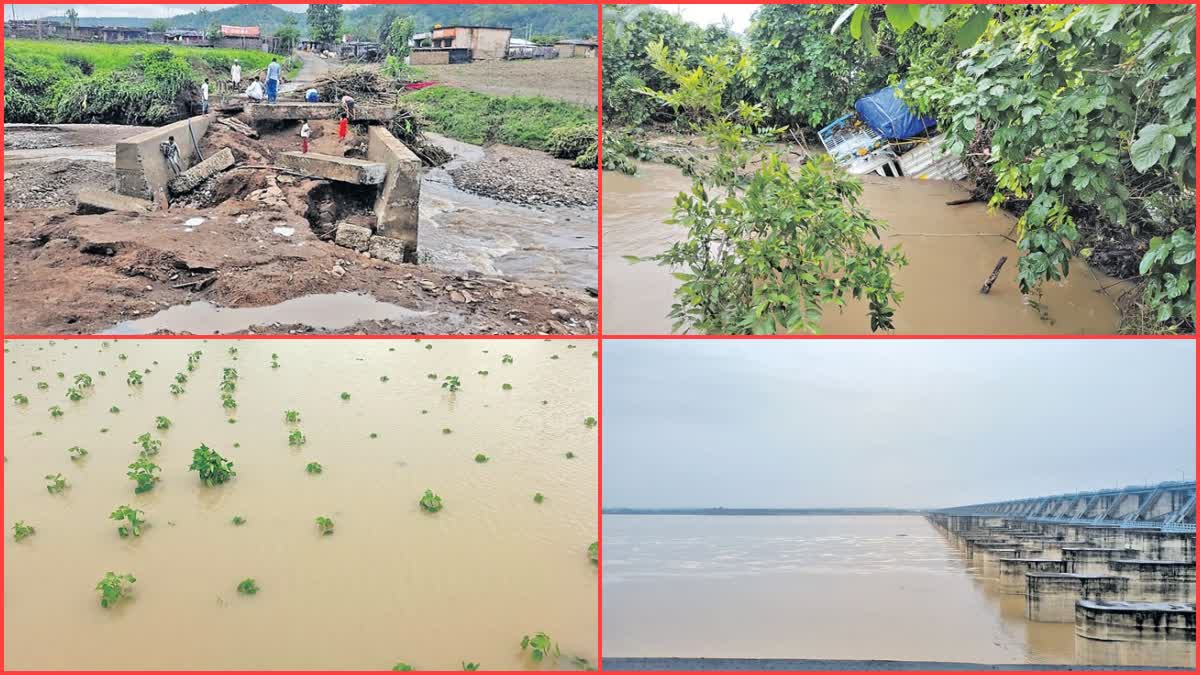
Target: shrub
21	530
212	467
571	142
113	587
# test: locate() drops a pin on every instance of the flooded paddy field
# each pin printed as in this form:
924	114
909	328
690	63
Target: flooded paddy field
392	583
808	587
950	249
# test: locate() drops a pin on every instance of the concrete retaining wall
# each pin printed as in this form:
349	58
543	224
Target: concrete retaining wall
1050	598
142	170
1135	633
399	196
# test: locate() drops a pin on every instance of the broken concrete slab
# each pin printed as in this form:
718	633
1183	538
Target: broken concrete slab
193	177
396	208
332	167
296	111
391	250
142	170
103	201
353	236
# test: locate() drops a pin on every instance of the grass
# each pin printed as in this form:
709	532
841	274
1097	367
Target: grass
106	58
523	121
247	587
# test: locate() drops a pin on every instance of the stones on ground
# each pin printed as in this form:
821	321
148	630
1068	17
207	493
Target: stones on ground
388	249
100	201
353	237
189	180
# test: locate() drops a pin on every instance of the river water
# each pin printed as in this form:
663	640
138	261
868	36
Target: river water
390	584
940	284
808	587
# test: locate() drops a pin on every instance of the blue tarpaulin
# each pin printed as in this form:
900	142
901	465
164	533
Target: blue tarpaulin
889	116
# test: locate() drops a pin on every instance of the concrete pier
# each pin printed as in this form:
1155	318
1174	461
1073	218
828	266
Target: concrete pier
142	170
1135	633
331	167
1051	597
1013	571
1094	560
1158	580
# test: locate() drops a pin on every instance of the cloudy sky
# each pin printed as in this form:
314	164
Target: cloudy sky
894	423
152	11
738	15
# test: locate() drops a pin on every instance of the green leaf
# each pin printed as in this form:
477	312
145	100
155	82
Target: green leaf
842	19
901	17
969	34
856	22
931	16
1153	141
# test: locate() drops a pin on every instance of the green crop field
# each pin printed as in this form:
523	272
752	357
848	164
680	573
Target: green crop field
49	81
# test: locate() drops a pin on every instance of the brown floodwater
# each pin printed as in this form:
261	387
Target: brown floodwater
940	284
391	584
808	587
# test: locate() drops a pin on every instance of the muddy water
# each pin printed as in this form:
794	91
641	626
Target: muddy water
328	311
391	584
461	231
810	587
940	284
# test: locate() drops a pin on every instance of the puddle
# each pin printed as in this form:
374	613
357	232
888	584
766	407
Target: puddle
391	584
463	232
940	284
329	311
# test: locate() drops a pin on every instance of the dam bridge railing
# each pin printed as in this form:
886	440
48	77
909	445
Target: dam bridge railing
1168	507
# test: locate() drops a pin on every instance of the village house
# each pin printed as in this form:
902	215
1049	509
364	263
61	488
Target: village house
240	37
573	48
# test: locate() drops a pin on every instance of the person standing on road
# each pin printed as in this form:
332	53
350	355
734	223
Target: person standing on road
235	73
305	132
272	80
204	96
343	125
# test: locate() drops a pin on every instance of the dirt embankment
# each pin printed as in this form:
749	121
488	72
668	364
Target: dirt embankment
572	80
249	237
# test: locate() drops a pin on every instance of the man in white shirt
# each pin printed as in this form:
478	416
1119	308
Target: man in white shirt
255	91
204	97
235	73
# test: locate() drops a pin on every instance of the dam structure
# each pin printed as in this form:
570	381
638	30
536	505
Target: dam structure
1120	564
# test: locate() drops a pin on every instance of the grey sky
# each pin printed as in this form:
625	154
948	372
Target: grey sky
704	15
899	423
150	11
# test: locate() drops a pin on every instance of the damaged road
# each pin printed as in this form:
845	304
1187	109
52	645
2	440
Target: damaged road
258	235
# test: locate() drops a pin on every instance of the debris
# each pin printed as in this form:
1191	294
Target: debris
363	84
987	285
238	126
353	237
194	222
100	201
285	231
196	284
193	177
389	249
